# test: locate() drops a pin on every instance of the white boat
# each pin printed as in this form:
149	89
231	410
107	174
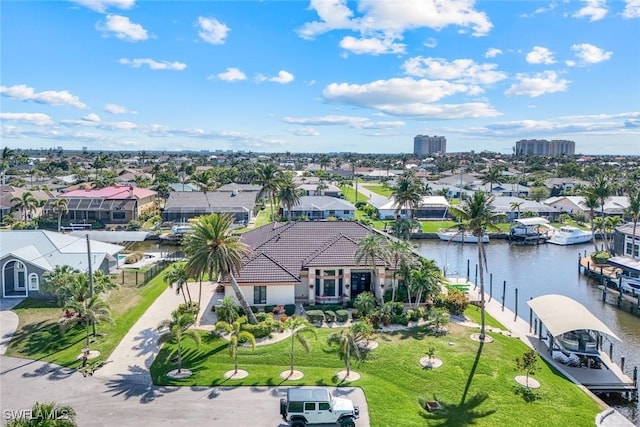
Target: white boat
630	284
460	237
568	235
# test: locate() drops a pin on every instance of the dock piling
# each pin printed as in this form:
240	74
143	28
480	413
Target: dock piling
504	290
516	307
490	286
622	360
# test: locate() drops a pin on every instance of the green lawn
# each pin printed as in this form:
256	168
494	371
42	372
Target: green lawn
434	226
37	336
349	194
476	384
379	189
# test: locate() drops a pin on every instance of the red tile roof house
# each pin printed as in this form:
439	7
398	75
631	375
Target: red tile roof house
109	205
307	262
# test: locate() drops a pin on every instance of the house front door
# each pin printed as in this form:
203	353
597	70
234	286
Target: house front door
360	282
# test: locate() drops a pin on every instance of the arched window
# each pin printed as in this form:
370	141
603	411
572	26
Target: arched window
34	282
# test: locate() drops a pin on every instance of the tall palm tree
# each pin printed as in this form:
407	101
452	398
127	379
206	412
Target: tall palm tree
289	194
60	206
48	414
26	203
88	312
601	186
236	336
370	249
493	175
299	327
477	217
175	329
178	276
610	224
633	212
407	193
5	158
515	206
425	280
213	250
591	202
269	178
400	253
205	180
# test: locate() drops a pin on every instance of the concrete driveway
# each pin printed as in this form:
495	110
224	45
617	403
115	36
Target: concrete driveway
122	402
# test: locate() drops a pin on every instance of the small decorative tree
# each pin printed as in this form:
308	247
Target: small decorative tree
528	364
431	352
177	328
236	336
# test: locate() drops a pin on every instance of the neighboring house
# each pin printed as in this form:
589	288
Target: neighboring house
309	262
320	207
233	186
430	207
614	205
503	189
25	255
312	190
460	180
502	205
128	176
623	242
183	205
109	205
184	186
377	175
561	185
8	192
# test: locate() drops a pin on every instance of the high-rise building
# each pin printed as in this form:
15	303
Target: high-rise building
425	144
542	147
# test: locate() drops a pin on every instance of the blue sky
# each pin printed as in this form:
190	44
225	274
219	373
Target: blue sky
320	75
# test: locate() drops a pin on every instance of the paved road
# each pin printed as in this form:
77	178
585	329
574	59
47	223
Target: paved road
120	402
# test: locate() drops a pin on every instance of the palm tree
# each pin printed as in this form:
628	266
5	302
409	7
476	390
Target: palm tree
289	194
56	279
205	180
370	249
633	211
5	157
71	285
236	335
493	175
178	276
347	342
177	328
49	414
99	163
299	327
26	203
425	279
268	177
476	216
610	224
60	206
591	202
400	253
602	188
226	311
515	206
88	312
213	250
407	193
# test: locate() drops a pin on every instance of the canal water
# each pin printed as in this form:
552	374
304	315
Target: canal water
540	270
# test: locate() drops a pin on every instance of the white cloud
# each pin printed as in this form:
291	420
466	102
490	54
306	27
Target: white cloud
122	28
492	52
373	46
283	77
91	117
430	42
212	31
540	10
381	23
304	131
537	84
232	75
115	109
589	54
153	64
49	97
540	55
350	121
595	10
102	5
631	9
459	70
37	119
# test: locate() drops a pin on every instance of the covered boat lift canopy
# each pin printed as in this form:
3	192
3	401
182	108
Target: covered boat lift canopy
532	221
626	263
562	314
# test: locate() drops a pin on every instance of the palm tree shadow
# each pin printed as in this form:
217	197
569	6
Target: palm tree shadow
460	415
472	373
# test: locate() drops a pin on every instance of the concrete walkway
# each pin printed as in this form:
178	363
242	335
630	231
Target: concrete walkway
519	328
8	321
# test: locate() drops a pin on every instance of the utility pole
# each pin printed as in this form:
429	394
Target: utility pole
90	276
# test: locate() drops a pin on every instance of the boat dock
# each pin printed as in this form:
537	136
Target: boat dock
608	278
610	379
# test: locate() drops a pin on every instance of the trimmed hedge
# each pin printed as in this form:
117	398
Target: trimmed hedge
355	314
290	309
259	330
400	319
315	316
330	315
342	315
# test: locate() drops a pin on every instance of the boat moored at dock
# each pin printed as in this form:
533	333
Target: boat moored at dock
460	236
569	235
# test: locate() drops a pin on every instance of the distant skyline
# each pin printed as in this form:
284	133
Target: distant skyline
319	75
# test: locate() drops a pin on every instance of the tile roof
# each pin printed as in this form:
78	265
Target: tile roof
211	201
290	248
112	192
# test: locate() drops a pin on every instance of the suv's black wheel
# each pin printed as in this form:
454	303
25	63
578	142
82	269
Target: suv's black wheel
347	422
298	423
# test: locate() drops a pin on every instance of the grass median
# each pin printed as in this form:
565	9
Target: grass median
476	383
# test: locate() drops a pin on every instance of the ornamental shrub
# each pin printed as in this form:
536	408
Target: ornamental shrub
342	315
290	309
330	315
315	316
